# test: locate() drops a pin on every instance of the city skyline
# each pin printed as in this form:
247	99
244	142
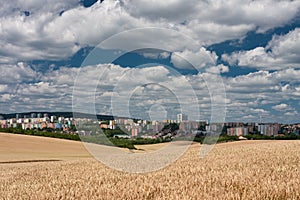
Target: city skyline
139	128
181	117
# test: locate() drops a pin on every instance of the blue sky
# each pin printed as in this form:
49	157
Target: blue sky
232	61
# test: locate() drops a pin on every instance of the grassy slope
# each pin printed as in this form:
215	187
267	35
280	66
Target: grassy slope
15	147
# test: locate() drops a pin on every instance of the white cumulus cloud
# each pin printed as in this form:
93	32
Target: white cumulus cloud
280	53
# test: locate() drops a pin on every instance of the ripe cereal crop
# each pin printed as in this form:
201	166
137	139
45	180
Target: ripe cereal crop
236	170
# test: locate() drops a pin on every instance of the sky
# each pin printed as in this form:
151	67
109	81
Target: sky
212	60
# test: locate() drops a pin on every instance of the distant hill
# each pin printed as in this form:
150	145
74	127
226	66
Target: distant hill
58	114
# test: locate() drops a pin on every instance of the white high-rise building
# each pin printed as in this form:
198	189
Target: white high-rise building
181	118
52	118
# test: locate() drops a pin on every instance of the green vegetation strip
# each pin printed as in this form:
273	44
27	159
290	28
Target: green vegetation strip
41	133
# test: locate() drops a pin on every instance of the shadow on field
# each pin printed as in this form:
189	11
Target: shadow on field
28	161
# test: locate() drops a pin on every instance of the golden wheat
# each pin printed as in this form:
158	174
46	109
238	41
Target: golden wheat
238	170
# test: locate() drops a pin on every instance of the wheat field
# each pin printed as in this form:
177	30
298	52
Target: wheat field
236	170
